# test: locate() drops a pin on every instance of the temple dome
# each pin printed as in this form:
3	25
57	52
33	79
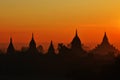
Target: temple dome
51	48
105	40
76	42
10	48
105	47
32	43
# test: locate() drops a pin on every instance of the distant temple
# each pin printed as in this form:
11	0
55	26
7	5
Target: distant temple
32	45
10	48
74	49
105	47
51	49
76	43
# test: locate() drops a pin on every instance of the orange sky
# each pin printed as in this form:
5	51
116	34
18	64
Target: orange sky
57	20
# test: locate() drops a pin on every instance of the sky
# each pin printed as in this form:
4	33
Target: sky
57	20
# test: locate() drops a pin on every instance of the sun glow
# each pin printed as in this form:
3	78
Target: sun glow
57	20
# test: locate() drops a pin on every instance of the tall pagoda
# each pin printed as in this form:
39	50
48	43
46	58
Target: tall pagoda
10	49
105	47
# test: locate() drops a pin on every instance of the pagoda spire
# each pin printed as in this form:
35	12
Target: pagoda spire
32	36
76	42
32	44
51	48
105	39
10	39
10	48
105	47
76	33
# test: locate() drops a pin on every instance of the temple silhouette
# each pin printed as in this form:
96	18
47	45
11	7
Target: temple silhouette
51	49
71	61
76	44
11	49
105	47
32	46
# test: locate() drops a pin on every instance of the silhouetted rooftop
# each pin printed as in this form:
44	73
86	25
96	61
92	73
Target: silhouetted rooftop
76	42
105	47
10	48
51	48
105	40
32	42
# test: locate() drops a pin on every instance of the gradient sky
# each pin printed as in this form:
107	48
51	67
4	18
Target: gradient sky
57	20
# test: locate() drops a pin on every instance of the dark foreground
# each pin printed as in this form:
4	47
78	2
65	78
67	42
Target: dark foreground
58	67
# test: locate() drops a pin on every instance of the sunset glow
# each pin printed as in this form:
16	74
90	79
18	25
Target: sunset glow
57	20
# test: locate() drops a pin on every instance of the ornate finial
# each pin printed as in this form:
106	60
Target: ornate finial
32	36
76	33
105	35
10	39
51	43
51	48
105	39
